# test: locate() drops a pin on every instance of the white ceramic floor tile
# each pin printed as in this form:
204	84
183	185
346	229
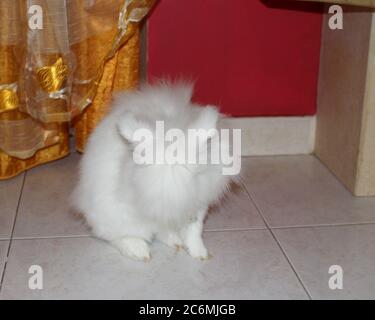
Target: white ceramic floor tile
44	209
3	253
313	250
245	265
236	211
9	195
300	191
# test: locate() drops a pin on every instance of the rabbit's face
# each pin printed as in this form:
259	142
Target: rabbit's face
183	144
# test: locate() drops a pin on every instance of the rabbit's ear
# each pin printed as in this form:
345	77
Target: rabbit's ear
128	125
207	120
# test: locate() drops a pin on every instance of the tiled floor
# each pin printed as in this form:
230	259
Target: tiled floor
275	238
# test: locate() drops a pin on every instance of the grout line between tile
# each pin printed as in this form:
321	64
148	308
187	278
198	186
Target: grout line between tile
90	236
209	230
2	266
53	237
254	203
323	225
236	229
13	227
290	263
278	243
279	155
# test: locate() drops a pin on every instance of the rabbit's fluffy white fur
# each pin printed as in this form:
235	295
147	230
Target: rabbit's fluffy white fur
129	204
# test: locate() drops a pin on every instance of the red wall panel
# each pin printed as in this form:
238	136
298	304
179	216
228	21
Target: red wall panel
250	57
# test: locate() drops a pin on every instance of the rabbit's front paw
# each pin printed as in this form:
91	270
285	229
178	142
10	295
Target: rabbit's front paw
135	248
197	249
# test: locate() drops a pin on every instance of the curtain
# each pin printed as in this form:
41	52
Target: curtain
363	3
63	75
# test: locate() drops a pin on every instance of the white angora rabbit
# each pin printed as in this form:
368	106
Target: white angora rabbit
128	203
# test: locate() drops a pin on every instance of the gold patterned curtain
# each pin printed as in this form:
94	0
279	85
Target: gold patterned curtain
62	75
362	3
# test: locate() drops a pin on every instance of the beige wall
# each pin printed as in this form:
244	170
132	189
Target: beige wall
365	183
346	98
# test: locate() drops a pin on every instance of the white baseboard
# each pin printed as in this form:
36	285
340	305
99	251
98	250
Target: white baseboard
274	135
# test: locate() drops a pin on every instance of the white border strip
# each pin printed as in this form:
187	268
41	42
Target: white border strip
274	135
